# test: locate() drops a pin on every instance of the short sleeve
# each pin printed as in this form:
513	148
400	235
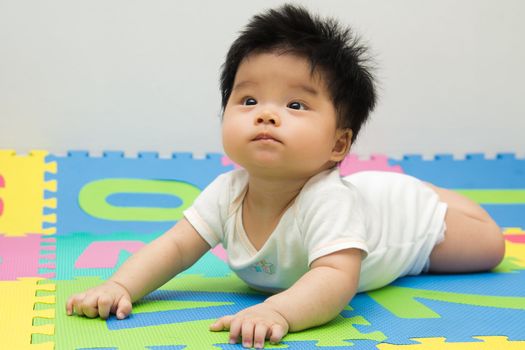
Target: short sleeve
331	218
209	211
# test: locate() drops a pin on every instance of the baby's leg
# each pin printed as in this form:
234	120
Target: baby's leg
473	241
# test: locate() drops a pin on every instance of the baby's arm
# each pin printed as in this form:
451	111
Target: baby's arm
314	299
148	269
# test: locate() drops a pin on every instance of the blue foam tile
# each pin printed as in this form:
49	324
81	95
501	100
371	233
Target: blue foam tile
507	215
182	155
413	157
473	172
148	155
475	156
113	154
486	283
48	211
444	157
76	154
457	322
78	169
506	156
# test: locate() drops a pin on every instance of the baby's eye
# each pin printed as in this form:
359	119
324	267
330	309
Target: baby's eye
296	105
249	101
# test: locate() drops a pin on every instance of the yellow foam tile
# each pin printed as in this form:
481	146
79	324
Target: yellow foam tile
515	250
22	193
513	231
486	343
17	314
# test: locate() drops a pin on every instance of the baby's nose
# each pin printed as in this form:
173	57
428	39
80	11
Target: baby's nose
268	118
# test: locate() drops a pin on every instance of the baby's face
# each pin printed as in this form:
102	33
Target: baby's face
280	119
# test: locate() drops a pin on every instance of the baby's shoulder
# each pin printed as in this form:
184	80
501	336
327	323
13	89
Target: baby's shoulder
326	188
383	181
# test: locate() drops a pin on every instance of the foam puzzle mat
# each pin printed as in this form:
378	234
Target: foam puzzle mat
68	222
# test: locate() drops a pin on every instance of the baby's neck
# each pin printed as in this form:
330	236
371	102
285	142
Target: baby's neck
264	204
271	194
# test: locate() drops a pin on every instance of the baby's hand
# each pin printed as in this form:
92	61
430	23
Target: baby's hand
109	297
254	325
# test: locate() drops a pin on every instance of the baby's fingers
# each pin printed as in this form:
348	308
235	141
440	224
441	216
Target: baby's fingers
259	335
73	301
123	308
104	304
222	324
89	306
228	323
276	333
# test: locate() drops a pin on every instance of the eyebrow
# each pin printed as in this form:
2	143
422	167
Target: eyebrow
243	84
306	88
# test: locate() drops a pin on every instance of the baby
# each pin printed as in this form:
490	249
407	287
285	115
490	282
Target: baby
295	93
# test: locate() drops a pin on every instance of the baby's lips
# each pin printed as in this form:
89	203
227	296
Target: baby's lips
266	136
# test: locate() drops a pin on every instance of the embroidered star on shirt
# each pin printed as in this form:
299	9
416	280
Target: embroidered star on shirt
264	266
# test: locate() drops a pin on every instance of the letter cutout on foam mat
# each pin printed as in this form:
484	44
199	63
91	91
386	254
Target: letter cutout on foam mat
74	220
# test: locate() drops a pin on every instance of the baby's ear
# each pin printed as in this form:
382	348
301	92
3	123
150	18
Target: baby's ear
343	141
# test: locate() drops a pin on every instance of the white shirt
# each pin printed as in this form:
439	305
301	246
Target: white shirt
394	219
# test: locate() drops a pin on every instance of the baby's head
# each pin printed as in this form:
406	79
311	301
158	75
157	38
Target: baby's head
333	51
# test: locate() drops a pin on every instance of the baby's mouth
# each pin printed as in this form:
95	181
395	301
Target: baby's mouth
265	137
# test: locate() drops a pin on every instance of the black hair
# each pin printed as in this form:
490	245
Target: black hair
332	50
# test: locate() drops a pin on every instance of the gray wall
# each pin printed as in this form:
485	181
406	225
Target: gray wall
142	75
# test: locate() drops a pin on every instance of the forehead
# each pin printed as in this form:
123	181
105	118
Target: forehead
279	67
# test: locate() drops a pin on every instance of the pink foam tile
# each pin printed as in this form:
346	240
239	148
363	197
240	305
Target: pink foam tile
352	164
105	254
520	239
225	161
20	257
219	252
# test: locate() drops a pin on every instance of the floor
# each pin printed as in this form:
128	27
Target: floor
68	222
